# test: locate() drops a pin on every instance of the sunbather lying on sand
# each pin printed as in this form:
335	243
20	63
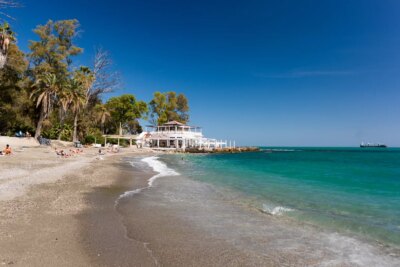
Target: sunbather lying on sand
76	151
61	153
7	150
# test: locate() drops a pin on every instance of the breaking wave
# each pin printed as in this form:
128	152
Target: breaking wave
158	166
275	210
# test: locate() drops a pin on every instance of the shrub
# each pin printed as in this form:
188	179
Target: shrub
89	139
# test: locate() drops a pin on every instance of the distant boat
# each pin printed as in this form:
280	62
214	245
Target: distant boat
372	145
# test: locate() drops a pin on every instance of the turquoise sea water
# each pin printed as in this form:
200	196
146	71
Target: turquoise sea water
349	190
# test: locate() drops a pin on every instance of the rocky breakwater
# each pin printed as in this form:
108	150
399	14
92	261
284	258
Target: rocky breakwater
222	150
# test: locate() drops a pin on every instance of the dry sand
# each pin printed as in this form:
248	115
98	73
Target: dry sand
17	143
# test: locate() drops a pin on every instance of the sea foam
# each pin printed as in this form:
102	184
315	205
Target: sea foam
275	210
158	166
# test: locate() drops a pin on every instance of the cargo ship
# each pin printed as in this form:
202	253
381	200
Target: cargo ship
372	145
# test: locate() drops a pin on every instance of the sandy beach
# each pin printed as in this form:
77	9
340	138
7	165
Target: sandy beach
42	205
91	211
62	212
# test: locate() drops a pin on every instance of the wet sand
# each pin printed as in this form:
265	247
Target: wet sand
103	236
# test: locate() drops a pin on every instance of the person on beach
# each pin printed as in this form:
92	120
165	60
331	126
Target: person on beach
7	150
64	155
57	152
115	149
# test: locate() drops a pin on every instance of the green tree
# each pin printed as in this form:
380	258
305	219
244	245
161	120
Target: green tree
79	86
64	100
77	101
8	35
168	106
102	115
182	108
125	109
158	108
44	90
16	108
51	58
55	48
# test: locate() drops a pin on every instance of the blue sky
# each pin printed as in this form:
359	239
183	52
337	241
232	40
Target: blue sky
293	73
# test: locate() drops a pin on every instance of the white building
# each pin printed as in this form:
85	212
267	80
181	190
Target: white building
174	135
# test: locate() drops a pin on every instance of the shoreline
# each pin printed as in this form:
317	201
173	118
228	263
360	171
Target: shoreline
102	233
77	218
201	213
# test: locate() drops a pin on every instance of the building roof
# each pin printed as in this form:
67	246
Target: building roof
173	123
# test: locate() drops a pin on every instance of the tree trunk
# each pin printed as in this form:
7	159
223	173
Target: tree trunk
40	123
61	130
61	125
75	135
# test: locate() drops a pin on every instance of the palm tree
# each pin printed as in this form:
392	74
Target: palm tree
64	100
103	115
44	91
77	100
79	86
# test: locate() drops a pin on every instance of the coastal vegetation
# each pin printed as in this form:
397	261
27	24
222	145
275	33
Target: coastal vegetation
45	93
168	106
